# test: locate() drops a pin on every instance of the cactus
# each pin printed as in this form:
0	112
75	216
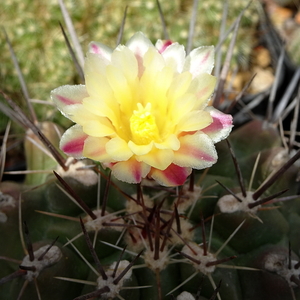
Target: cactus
208	219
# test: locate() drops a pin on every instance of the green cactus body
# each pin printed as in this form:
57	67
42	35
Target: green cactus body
274	276
57	260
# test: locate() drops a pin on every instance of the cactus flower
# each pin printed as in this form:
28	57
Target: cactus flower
143	111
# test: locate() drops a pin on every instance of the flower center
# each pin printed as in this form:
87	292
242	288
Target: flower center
143	126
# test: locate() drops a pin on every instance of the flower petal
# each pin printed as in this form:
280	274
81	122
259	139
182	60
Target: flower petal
122	91
200	60
124	59
171	176
98	87
95	64
99	128
171	142
196	151
94	148
101	101
180	106
118	149
154	87
174	56
203	89
101	109
72	141
139	45
159	159
140	149
179	85
78	114
153	61
130	171
100	50
162	45
220	127
68	95
194	121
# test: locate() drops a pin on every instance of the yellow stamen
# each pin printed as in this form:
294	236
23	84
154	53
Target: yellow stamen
143	126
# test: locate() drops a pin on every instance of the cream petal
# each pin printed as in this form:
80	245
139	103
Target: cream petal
194	121
174	56
181	106
158	94
124	59
99	128
78	114
179	85
94	148
101	101
171	176
200	60
163	80
196	151
147	82
203	87
68	95
130	171
171	142
157	158
220	127
99	108
154	87
121	89
118	149
95	63
162	45
100	49
98	86
140	149
139	44
153	60
72	141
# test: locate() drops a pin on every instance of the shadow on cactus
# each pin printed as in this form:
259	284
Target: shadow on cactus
35	277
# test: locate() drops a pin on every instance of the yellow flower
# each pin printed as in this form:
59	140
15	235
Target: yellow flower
144	111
